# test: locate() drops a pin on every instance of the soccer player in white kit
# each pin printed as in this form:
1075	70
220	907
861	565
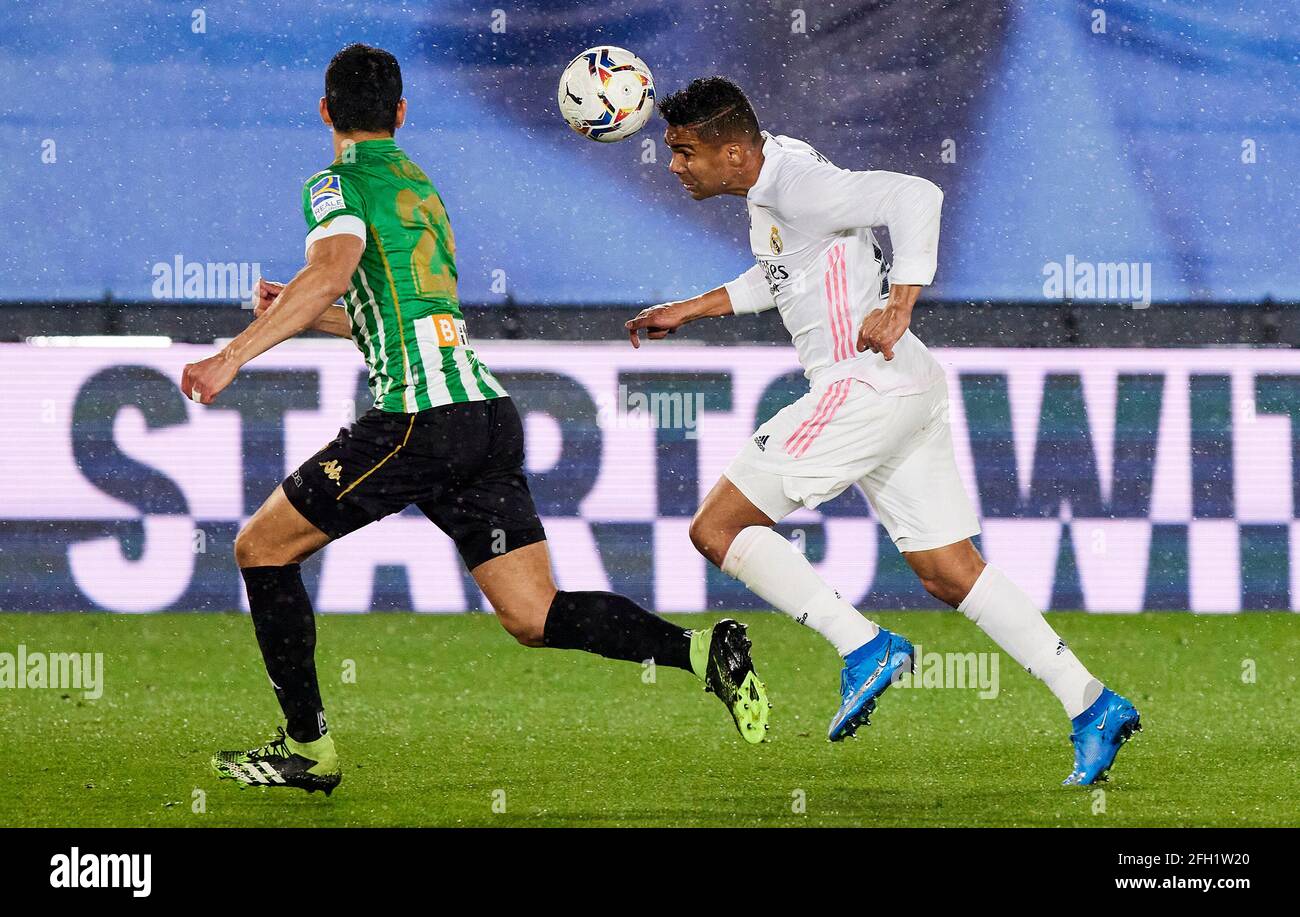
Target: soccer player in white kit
876	413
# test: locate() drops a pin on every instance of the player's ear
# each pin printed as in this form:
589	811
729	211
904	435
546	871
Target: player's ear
325	113
401	114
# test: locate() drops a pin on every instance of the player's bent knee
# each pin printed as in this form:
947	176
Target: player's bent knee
525	625
255	546
524	619
246	548
696	533
710	539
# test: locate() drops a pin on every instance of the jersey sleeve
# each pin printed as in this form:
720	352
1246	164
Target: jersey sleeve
750	293
827	200
332	205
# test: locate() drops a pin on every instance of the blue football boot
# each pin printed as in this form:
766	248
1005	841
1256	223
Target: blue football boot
868	671
1098	734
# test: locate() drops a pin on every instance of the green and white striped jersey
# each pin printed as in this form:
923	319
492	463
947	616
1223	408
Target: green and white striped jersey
402	302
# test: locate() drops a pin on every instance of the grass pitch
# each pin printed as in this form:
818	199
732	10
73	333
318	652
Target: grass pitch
448	722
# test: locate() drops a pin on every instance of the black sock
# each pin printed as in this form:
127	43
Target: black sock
616	627
286	631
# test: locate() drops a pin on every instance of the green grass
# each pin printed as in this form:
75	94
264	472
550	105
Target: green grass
445	710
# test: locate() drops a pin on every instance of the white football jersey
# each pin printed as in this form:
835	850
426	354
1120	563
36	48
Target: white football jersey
820	265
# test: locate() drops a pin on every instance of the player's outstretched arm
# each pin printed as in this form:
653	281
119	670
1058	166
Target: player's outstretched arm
330	263
660	321
749	292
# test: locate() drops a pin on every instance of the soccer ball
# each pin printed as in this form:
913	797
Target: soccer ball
606	94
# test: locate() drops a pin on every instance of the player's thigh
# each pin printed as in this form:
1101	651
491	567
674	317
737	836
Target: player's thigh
487	508
487	518
726	510
765	481
916	491
520	588
277	534
488	512
806	454
370	470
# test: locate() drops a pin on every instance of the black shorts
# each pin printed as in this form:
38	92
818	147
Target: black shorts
461	464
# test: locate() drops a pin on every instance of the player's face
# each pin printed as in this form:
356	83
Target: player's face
703	169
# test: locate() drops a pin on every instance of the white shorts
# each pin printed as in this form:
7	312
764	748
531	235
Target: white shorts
897	448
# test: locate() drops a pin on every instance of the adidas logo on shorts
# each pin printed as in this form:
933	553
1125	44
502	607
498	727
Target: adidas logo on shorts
761	442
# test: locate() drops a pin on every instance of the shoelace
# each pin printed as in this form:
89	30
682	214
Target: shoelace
276	748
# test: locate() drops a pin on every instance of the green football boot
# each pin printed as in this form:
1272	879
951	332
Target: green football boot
720	657
310	766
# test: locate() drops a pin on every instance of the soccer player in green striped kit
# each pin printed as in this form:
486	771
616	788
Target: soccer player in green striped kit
443	434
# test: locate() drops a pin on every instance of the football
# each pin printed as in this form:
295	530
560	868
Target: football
606	94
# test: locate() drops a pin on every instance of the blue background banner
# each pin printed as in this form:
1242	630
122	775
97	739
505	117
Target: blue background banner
1164	134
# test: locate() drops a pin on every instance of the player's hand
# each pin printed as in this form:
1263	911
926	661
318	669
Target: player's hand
883	328
264	295
657	322
205	380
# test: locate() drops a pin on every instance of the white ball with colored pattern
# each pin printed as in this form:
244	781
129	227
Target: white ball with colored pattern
606	94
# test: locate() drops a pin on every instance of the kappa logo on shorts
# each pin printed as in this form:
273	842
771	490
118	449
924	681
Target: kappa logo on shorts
761	442
333	470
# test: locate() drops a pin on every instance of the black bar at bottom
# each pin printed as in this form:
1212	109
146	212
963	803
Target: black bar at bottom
904	867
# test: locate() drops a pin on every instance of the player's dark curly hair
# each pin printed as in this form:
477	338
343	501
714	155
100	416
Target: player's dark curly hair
363	85
715	107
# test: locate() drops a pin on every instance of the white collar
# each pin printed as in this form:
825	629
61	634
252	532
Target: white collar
770	146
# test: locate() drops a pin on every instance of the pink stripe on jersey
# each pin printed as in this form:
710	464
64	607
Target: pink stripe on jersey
837	301
843	350
831	317
850	344
809	430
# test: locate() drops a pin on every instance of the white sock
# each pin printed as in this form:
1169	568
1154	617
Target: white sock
776	572
1002	610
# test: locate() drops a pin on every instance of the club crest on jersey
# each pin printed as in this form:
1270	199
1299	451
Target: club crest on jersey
777	245
326	195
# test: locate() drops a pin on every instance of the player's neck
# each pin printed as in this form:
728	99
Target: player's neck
748	174
344	140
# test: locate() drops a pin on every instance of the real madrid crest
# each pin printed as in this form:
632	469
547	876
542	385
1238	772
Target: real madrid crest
776	241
